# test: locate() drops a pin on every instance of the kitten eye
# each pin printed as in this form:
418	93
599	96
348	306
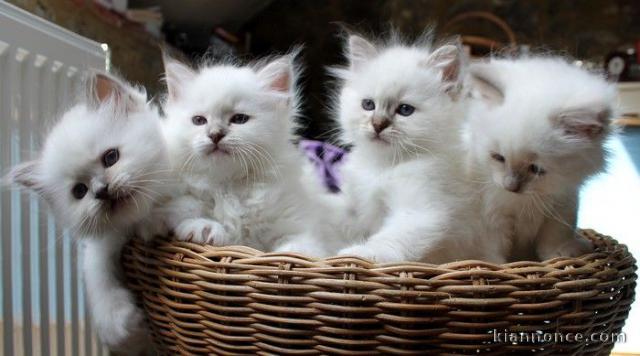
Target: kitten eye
199	120
79	190
368	104
239	119
535	169
498	157
405	109
110	157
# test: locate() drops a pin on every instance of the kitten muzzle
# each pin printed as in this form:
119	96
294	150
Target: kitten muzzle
216	137
380	124
103	193
513	183
111	199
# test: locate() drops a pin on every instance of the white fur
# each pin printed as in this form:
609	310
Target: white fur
404	197
540	111
250	190
72	154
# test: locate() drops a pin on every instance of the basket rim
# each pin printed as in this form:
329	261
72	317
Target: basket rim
190	251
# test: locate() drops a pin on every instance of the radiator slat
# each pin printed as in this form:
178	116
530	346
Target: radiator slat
88	337
46	240
75	312
24	117
5	152
59	263
17	58
38	217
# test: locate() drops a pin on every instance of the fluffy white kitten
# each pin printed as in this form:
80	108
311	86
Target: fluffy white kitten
229	130
101	168
402	107
534	137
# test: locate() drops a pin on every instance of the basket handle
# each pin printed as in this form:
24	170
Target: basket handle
484	41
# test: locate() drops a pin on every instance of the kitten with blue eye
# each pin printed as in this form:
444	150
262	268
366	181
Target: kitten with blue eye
535	134
402	107
229	130
103	166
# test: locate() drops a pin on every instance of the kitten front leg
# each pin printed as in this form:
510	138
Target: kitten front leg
557	237
405	236
117	319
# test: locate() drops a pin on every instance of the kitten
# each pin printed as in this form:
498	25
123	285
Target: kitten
402	107
101	168
535	136
229	130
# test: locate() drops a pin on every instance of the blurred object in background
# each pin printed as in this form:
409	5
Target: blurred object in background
587	30
623	64
482	45
198	28
150	17
203	27
119	6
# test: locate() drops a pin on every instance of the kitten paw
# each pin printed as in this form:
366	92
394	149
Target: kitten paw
380	255
202	231
574	247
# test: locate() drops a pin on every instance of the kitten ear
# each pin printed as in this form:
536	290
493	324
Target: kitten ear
177	75
448	59
485	85
24	174
589	124
359	51
103	88
278	75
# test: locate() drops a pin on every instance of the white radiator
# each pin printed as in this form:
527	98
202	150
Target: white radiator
43	308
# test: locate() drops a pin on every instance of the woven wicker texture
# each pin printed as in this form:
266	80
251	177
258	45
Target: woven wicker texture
236	300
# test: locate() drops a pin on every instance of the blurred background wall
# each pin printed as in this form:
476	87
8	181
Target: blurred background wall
586	29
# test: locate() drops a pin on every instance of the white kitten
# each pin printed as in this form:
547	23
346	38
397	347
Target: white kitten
534	138
402	107
101	168
229	130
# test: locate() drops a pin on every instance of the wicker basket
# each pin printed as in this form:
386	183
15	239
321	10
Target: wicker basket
236	300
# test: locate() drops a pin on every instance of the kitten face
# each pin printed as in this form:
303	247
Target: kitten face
545	136
518	167
398	98
103	164
229	119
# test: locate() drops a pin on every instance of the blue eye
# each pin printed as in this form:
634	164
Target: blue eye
239	119
110	157
405	109
199	120
368	104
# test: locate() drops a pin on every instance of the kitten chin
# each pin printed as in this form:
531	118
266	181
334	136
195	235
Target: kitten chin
536	133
